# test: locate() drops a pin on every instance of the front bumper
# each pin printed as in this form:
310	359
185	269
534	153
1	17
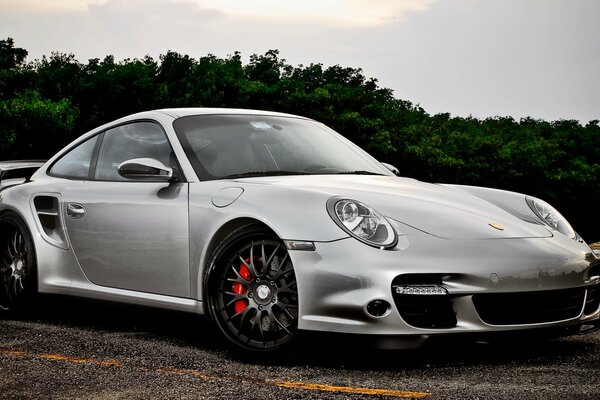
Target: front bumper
530	278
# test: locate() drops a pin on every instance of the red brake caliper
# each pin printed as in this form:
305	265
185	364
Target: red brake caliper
239	288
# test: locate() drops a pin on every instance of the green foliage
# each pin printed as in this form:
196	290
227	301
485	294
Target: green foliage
34	126
46	103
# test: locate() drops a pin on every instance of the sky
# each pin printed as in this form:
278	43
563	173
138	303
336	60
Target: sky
481	58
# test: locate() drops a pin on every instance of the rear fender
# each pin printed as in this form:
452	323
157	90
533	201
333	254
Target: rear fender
17	172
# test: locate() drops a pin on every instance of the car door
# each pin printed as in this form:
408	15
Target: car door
130	234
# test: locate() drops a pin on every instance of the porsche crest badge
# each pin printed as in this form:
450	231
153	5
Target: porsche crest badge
494	225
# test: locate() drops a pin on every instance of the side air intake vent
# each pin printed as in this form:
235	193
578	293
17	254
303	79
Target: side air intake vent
47	211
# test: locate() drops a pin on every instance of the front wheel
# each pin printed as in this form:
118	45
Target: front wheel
252	293
18	275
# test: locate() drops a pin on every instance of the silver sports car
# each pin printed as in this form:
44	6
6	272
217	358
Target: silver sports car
273	223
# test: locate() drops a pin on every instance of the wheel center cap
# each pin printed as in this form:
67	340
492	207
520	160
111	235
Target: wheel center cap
263	292
17	268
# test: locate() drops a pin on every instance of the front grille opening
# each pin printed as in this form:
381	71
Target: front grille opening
427	311
529	307
593	299
595	270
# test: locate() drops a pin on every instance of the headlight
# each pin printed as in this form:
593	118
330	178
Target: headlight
362	222
550	216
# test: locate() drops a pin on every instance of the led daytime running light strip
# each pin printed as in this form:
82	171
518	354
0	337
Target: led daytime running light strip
420	290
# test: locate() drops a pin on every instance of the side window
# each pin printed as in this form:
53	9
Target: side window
76	163
137	140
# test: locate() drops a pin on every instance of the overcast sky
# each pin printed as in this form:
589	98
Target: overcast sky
538	58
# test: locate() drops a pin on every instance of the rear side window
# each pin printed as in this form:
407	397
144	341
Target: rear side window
76	163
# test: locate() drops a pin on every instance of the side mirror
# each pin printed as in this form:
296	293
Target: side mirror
145	169
394	170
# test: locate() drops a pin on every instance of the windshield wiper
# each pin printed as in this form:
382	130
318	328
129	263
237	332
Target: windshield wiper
263	173
359	173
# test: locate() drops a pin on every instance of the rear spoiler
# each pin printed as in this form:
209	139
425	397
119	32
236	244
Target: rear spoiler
17	172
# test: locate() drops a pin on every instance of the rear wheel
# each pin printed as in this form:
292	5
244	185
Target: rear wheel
18	275
251	290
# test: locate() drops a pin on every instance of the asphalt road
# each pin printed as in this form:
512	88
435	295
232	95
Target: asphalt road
75	349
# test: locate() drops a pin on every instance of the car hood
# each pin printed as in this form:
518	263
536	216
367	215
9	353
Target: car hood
435	209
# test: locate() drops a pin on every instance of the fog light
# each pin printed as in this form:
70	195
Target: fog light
378	308
420	289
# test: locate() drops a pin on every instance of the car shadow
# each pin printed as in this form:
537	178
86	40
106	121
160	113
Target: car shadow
311	349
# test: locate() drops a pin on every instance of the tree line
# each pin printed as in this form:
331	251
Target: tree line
46	103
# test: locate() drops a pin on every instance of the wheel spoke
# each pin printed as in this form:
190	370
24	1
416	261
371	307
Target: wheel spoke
21	245
249	266
237	297
273	329
242	313
13	246
251	330
245	313
282	307
14	243
227	292
289	305
251	261
283	273
9	251
242	280
274	319
15	286
273	255
287	288
263	257
7	272
260	327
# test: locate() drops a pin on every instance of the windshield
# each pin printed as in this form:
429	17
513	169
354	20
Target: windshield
233	146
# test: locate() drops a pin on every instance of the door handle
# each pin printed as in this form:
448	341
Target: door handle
75	210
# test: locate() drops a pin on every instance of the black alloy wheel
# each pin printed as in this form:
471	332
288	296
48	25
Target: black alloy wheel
18	274
252	291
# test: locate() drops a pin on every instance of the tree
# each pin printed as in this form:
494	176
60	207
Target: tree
12	71
11	56
47	102
33	127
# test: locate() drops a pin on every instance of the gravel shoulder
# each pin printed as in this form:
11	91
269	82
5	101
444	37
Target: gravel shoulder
83	349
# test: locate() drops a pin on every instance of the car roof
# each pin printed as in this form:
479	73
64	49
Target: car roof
185	112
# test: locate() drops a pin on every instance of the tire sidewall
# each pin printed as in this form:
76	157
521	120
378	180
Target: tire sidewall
24	302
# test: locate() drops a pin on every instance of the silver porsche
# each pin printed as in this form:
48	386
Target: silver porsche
274	224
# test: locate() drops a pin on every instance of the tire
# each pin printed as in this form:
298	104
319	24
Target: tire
251	290
18	271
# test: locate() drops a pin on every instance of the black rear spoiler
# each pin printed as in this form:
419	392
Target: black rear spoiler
17	172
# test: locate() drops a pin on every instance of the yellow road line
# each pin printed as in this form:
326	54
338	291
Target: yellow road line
78	360
351	390
317	387
183	372
15	353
